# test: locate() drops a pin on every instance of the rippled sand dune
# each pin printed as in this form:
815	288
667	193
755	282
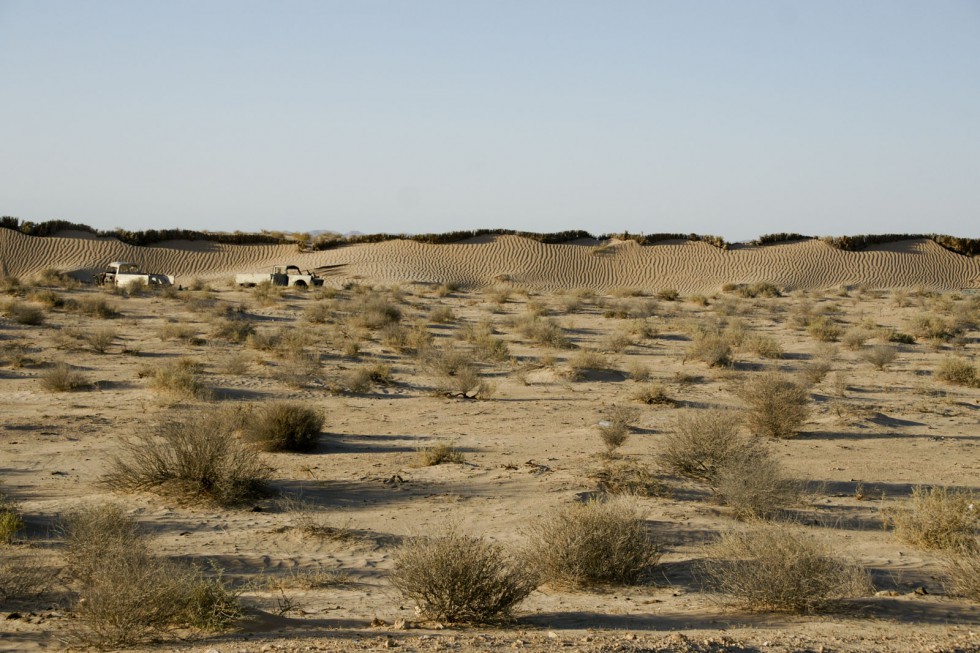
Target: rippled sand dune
686	266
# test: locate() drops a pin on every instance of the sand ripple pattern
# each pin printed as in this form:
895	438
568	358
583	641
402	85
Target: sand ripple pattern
687	266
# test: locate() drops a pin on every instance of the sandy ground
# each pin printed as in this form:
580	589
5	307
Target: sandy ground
530	448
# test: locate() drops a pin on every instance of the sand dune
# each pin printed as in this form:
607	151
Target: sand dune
686	266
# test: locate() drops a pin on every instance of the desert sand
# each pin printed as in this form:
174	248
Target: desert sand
530	446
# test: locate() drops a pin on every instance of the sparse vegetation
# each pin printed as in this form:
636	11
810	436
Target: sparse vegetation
179	378
439	454
615	426
780	568
458	578
196	459
777	406
957	371
937	518
592	543
284	426
62	377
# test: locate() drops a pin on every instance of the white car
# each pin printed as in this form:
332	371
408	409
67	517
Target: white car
122	274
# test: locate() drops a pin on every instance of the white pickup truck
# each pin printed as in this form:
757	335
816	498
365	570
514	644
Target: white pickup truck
122	274
281	275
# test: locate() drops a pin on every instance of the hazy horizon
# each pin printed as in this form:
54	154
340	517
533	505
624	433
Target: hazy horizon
734	119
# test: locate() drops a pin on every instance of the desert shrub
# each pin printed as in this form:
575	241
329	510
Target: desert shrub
934	327
48	298
177	331
592	543
710	348
617	342
701	442
585	360
284	426
764	346
459	578
488	348
880	355
963	573
24	577
777	406
637	371
128	595
543	331
937	518
442	315
781	568
299	367
319	312
900	338
628	477
760	289
101	339
466	382
615	426
668	294
24	313
62	377
99	307
376	312
957	371
654	394
264	340
10	520
440	453
754	486
197	459
823	329
855	337
180	378
233	329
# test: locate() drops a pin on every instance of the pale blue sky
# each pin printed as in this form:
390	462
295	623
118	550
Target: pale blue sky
733	118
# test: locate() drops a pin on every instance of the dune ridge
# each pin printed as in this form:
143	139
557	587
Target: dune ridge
684	265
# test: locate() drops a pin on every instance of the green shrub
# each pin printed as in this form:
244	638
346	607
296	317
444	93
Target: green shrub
284	426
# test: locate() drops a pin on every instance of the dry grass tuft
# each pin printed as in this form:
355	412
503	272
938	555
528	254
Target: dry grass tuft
62	377
615	426
937	518
777	406
654	394
198	459
880	356
957	371
593	543
780	568
963	572
284	426
439	454
627	477
23	313
180	378
458	578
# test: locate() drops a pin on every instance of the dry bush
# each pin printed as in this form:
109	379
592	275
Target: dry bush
780	568
701	442
629	478
710	348
265	340
764	346
587	544
62	377
963	572
777	406
438	454
299	368
101	339
668	294
128	595
957	371
934	327
937	518
880	356
23	313
823	328
543	331
855	337
490	349
177	331
10	520
755	487
99	307
751	291
24	576
319	312
637	371
376	313
458	578
284	426
615	426
654	394
442	315
180	378
233	329
197	459
586	360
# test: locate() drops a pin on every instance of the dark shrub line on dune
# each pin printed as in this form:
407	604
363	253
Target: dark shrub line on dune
965	246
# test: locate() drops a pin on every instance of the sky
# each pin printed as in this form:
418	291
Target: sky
409	116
